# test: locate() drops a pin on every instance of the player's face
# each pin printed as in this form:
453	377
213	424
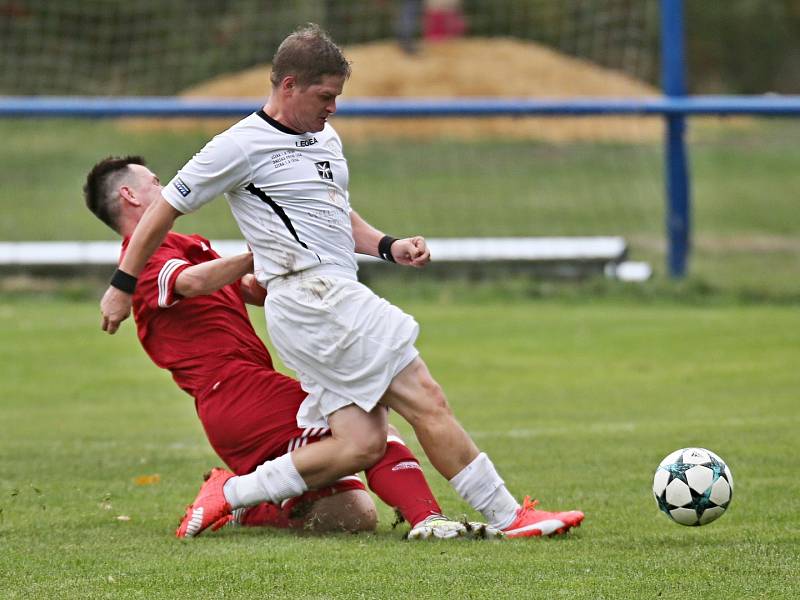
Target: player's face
312	105
147	186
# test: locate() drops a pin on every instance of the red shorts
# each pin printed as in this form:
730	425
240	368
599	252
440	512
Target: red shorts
249	416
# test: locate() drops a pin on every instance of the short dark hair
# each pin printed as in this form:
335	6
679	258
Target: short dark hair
100	188
309	54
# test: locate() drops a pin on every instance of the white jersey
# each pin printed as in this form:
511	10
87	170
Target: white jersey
287	191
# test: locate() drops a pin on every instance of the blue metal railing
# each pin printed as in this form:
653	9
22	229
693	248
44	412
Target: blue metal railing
140	106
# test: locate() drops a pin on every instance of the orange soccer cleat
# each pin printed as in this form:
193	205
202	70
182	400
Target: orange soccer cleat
210	508
532	522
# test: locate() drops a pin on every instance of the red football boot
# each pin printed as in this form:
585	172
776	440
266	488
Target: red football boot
210	508
532	522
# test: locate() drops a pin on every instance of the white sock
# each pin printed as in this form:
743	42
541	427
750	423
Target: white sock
480	485
274	481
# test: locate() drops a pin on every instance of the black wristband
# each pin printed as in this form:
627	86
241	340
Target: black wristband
385	248
123	282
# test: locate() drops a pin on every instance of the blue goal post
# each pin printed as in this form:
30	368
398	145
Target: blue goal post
675	105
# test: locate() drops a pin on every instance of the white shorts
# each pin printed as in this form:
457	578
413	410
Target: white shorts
345	344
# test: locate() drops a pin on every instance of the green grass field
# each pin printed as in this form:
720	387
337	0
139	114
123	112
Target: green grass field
577	390
576	402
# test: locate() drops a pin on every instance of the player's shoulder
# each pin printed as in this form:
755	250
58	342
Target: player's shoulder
248	135
179	243
175	239
249	122
172	244
235	138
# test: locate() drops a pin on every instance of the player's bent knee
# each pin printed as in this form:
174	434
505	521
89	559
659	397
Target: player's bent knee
437	401
371	453
434	407
430	386
350	511
366	450
360	437
417	396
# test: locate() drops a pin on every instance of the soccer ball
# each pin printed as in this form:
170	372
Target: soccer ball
693	486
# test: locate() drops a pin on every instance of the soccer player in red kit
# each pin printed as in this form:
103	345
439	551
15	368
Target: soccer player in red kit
189	308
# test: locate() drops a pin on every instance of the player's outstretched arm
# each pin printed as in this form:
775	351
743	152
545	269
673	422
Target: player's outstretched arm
148	235
208	277
411	251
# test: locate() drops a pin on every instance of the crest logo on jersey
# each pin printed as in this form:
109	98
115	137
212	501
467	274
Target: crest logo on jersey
324	170
182	188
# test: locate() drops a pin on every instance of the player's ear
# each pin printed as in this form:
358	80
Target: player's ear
128	195
288	84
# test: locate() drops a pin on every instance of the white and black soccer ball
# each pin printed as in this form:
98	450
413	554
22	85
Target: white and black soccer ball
693	486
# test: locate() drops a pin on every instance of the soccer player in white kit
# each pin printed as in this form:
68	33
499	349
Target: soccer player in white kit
285	177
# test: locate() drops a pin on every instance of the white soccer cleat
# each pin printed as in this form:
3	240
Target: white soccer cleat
439	527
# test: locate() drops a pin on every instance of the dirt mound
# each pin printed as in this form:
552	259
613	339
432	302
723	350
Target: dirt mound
472	67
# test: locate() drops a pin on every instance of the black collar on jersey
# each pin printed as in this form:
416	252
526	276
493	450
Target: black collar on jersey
276	124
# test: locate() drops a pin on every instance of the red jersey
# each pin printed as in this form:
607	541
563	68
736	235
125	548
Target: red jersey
197	339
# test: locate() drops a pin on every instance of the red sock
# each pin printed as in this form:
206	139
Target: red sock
397	479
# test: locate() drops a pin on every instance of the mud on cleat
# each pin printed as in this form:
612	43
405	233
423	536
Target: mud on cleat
438	527
482	531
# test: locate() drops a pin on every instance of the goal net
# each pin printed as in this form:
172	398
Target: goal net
455	177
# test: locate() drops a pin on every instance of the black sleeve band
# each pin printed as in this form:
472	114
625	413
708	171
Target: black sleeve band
385	248
123	282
